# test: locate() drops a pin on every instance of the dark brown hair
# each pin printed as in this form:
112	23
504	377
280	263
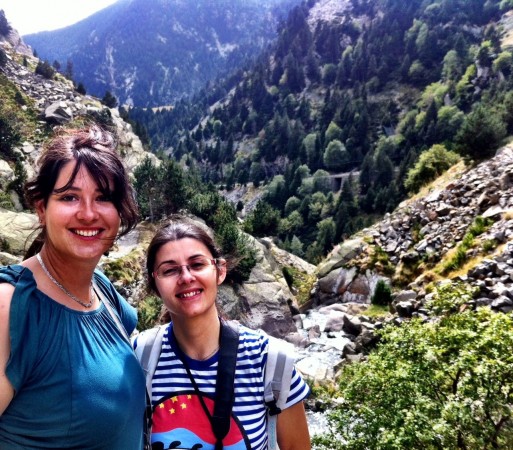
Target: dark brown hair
95	149
178	227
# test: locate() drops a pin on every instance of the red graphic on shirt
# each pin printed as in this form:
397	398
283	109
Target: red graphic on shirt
182	418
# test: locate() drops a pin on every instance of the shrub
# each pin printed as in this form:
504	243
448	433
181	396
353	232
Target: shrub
44	69
430	165
3	58
443	384
382	295
148	312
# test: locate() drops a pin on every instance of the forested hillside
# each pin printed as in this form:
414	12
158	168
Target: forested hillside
356	105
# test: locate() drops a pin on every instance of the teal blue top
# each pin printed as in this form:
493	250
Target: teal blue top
78	383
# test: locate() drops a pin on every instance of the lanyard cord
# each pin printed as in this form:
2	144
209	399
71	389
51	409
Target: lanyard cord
198	392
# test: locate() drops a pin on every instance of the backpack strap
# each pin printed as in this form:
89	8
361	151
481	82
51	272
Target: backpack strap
277	379
149	346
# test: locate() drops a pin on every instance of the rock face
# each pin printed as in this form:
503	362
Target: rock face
263	300
58	104
412	240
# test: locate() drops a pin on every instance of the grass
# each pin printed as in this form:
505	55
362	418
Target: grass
377	311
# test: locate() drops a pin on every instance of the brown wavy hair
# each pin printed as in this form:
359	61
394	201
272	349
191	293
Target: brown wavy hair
95	149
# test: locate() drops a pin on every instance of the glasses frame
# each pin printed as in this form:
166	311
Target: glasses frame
213	262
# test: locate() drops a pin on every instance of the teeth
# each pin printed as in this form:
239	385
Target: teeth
189	294
87	233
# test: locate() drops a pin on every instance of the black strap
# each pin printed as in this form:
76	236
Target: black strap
225	380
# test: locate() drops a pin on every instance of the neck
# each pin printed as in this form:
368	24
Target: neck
198	341
73	281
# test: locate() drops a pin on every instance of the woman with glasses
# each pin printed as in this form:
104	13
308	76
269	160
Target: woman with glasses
185	268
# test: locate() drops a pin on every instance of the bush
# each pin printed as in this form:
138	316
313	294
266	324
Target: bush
382	295
481	133
443	384
44	69
3	58
431	164
148	312
109	100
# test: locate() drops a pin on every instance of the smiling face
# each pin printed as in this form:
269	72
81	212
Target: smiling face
80	222
189	294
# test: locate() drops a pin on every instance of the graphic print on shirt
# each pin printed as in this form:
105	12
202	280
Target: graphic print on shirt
179	422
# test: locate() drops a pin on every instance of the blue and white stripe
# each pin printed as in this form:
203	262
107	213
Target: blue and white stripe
171	378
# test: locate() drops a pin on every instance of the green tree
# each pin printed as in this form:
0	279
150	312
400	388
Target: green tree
81	88
326	234
335	156
441	384
332	132
148	184
44	69
109	100
431	164
481	133
263	220
503	62
452	66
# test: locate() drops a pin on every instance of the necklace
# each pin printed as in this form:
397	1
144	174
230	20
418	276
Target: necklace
210	355
61	287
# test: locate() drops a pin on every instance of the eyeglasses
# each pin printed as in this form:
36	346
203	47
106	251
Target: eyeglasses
196	267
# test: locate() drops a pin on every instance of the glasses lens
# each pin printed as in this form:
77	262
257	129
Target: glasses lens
196	266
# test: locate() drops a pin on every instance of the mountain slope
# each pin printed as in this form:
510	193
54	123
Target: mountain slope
333	119
153	52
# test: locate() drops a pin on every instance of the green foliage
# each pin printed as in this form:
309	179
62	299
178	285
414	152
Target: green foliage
148	312
430	165
6	201
109	100
379	95
380	261
443	384
335	156
81	88
44	69
459	257
263	220
382	294
333	132
481	133
3	58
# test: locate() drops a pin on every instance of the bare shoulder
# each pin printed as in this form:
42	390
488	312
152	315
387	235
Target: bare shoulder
6	389
6	293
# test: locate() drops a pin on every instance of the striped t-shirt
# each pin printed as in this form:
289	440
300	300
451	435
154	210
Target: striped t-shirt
179	419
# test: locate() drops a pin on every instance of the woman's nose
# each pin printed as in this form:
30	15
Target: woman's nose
185	273
87	211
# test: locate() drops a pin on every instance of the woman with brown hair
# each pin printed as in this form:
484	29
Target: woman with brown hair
184	268
68	376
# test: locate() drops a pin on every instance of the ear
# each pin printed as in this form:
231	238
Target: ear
41	212
221	271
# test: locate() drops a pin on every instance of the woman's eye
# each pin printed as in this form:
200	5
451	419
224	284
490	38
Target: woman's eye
68	198
169	271
104	198
198	265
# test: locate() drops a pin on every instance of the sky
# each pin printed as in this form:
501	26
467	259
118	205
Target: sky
32	16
